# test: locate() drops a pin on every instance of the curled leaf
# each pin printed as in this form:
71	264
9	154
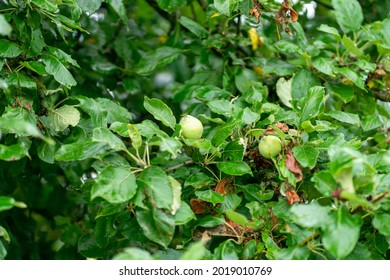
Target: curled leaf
198	206
220	188
293	166
292	196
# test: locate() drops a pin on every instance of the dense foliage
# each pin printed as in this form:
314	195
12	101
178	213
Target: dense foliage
95	163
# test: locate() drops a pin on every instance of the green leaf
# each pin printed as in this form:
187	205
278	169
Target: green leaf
171	5
115	184
61	74
50	6
352	75
342	233
3	251
287	47
302	81
171	145
81	150
198	180
89	6
15	151
176	191
4	234
312	215
103	110
234	150
210	196
17	80
344	117
237	218
7	203
133	254
306	155
323	65
5	27
349	14
225	7
156	59
194	27
234	168
313	104
381	223
62	56
158	187
224	131
283	90
351	46
221	107
35	66
228	250
184	214
196	251
37	42
328	29
160	111
293	253
211	221
119	7
104	135
9	49
63	117
371	122
157	225
345	93
135	136
324	182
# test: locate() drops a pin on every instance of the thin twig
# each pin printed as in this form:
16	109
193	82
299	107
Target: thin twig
189	162
310	238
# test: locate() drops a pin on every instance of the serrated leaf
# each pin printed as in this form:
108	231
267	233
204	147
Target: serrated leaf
344	117
115	184
17	80
158	187
313	104
64	117
9	49
194	27
306	155
342	233
184	214
81	150
349	14
5	27
104	135
16	151
160	111
156	59
61	74
234	168
237	218
328	29
283	90
133	254
311	215
135	136
157	225
210	196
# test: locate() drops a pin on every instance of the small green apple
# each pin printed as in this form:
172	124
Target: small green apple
270	146
191	127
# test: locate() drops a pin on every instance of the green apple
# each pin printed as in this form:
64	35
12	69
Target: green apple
191	127
270	146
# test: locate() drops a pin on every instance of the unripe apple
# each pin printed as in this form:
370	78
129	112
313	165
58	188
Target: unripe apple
270	146
191	127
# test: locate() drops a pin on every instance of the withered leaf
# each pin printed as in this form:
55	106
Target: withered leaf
198	206
292	196
220	188
293	165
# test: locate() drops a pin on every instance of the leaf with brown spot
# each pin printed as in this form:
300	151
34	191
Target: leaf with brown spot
220	188
292	196
198	206
293	165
